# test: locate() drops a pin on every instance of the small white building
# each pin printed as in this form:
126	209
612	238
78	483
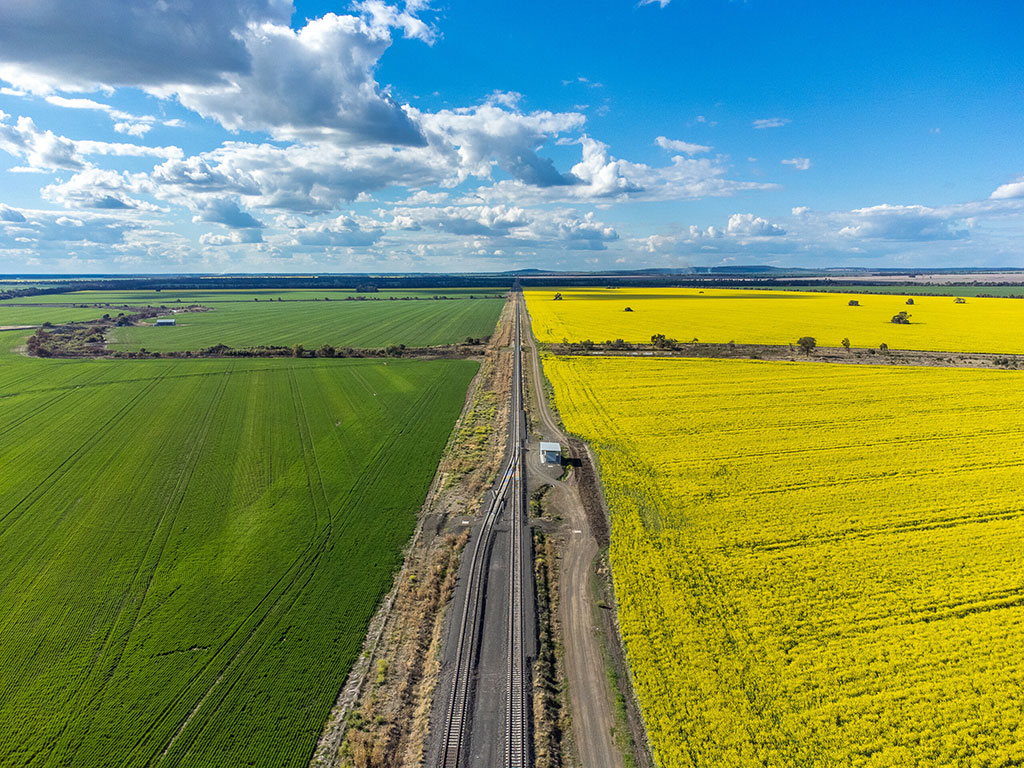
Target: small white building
165	321
551	453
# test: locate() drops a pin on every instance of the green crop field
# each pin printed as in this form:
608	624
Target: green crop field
13	314
191	550
313	323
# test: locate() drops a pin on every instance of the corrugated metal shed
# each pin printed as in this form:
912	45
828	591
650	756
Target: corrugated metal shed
551	453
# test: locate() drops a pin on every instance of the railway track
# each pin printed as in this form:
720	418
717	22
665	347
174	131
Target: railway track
508	498
516	747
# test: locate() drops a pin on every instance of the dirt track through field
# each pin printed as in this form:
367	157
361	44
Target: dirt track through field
589	695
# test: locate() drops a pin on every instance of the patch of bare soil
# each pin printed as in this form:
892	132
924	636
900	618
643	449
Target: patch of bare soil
591	495
382	714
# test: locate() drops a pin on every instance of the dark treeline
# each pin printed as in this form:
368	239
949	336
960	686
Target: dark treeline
371	284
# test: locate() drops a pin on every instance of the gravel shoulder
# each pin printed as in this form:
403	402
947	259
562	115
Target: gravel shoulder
591	699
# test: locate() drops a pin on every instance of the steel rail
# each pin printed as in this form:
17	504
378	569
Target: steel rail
458	715
516	747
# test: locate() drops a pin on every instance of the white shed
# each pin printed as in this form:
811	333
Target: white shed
165	321
551	453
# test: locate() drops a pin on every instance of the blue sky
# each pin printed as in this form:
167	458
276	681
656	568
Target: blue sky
258	135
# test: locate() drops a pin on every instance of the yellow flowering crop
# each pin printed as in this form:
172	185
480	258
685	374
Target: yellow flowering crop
815	565
778	317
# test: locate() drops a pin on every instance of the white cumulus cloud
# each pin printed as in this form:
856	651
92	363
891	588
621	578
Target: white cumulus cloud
675	145
903	222
799	163
234	237
314	82
490	135
1009	191
771	122
46	151
47	45
225	211
749	225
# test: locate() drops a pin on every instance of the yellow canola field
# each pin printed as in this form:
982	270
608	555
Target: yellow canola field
937	323
815	565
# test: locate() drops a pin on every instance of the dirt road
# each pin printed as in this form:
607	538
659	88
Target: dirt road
590	698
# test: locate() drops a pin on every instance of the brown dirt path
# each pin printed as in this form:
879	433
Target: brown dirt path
590	698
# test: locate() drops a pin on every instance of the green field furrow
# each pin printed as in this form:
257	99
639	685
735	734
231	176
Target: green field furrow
16	314
359	324
190	550
92	691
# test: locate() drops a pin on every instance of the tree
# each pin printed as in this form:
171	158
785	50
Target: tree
298	350
558	297
846	344
959	300
901	318
910	301
628	309
807	344
853	303
883	347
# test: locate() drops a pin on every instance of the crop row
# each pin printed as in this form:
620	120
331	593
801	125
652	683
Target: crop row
191	551
340	323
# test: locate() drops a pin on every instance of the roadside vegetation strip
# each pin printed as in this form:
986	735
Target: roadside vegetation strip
190	551
360	324
1012	290
815	565
937	323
